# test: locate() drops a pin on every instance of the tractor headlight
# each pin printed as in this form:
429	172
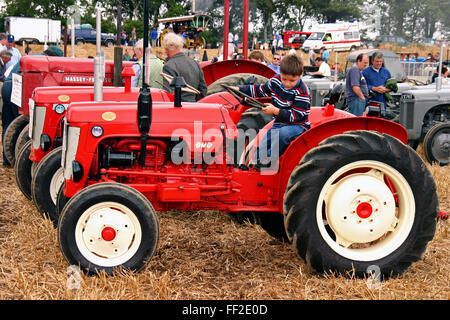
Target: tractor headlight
59	108
97	131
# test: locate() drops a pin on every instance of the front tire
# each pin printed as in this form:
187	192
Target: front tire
46	182
21	140
358	200
11	135
436	144
22	170
108	227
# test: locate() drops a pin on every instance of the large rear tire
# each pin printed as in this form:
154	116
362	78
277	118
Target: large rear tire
108	227
361	200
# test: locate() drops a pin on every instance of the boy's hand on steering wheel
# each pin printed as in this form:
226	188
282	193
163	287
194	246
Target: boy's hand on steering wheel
270	109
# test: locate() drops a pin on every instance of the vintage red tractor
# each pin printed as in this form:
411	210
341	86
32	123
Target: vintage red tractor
348	193
48	107
45	71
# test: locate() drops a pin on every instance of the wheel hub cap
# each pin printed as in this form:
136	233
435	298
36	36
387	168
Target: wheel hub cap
108	233
360	208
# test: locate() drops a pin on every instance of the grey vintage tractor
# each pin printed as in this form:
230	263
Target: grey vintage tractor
425	113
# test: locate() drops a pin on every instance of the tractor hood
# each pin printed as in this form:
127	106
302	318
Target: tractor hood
167	120
66	95
37	63
428	92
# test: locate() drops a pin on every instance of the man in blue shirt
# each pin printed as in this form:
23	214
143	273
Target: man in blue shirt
275	65
376	76
356	86
15	52
154	35
325	54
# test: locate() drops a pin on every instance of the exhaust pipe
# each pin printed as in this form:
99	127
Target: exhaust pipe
439	77
144	114
72	38
99	63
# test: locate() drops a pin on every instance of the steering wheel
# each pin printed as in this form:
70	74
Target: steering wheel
188	87
243	98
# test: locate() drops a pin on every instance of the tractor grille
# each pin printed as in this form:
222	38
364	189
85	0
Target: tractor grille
409	115
37	124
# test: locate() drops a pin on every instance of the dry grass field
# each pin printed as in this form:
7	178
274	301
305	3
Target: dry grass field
201	255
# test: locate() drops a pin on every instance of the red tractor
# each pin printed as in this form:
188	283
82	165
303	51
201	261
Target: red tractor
348	193
45	71
37	168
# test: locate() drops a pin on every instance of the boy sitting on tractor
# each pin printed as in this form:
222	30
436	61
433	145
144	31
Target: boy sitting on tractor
291	102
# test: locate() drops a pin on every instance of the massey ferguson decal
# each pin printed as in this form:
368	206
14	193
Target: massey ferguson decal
77	79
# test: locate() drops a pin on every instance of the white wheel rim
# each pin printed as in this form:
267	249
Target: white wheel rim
56	183
108	234
367	221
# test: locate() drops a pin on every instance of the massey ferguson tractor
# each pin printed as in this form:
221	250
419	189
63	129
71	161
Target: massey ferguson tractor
43	71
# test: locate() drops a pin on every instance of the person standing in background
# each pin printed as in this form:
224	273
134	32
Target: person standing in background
14	51
356	90
178	64
376	76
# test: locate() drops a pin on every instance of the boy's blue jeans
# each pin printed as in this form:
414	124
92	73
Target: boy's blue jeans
276	141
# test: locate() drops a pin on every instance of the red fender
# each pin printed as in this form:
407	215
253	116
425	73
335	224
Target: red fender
311	138
218	70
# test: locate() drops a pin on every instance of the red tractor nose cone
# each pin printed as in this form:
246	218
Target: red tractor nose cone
108	234
364	210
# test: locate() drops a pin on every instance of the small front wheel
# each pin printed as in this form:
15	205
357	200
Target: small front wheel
436	144
47	180
108	227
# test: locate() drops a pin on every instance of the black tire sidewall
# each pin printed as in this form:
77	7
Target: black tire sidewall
428	141
21	140
77	205
22	170
11	135
40	184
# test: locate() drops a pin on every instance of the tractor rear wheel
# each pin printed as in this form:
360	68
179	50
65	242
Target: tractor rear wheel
46	182
22	170
11	135
21	139
361	200
436	144
108	227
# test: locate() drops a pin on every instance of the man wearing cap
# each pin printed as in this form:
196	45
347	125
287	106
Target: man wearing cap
14	51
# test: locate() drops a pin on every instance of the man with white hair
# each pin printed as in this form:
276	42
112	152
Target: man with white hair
5	57
155	65
178	64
